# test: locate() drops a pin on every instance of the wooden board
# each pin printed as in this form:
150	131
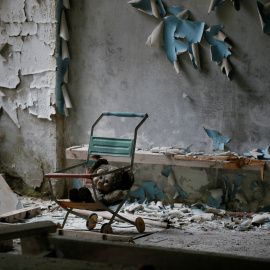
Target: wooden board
12	231
17	215
160	258
94	235
146	157
75	205
19	262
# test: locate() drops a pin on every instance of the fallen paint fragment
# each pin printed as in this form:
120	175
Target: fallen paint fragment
264	13
259	154
216	3
218	140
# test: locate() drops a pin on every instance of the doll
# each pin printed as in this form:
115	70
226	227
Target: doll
110	188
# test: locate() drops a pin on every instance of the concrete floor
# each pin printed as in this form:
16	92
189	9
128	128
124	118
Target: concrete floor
203	236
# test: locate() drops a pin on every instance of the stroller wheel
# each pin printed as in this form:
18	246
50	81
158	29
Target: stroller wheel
139	223
106	228
90	226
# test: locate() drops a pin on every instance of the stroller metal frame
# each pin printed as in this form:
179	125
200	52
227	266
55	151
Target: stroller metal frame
103	146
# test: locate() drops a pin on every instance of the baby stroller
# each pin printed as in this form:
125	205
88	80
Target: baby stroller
101	146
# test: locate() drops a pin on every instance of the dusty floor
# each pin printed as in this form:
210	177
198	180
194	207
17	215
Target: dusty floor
209	236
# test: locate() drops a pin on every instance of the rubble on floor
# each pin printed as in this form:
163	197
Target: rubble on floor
176	216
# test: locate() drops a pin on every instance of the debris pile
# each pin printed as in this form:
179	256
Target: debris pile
179	215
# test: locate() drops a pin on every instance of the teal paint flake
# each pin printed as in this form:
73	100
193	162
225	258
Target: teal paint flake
219	49
218	2
139	194
145	5
152	192
218	140
176	28
176	10
182	194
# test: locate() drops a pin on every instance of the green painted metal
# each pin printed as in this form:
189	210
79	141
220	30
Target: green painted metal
124	114
110	146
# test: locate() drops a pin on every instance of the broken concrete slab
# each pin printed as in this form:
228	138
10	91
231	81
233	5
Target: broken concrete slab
8	200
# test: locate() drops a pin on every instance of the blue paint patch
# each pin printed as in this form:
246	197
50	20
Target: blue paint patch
265	208
76	183
219	49
176	10
218	140
211	201
166	172
182	194
237	185
152	192
139	194
145	5
254	185
176	28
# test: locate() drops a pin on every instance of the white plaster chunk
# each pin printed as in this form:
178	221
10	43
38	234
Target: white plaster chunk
28	28
36	56
16	43
46	32
10	108
13	29
9	78
40	11
12	11
24	98
44	79
42	103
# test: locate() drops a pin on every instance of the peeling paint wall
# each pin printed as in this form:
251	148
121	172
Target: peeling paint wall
28	127
28	40
113	70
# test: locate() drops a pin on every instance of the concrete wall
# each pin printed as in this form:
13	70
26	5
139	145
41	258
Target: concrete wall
29	133
113	70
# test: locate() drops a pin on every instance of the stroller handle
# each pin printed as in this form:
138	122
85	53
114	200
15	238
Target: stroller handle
125	114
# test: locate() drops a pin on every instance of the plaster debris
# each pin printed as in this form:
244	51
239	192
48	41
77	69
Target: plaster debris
259	154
